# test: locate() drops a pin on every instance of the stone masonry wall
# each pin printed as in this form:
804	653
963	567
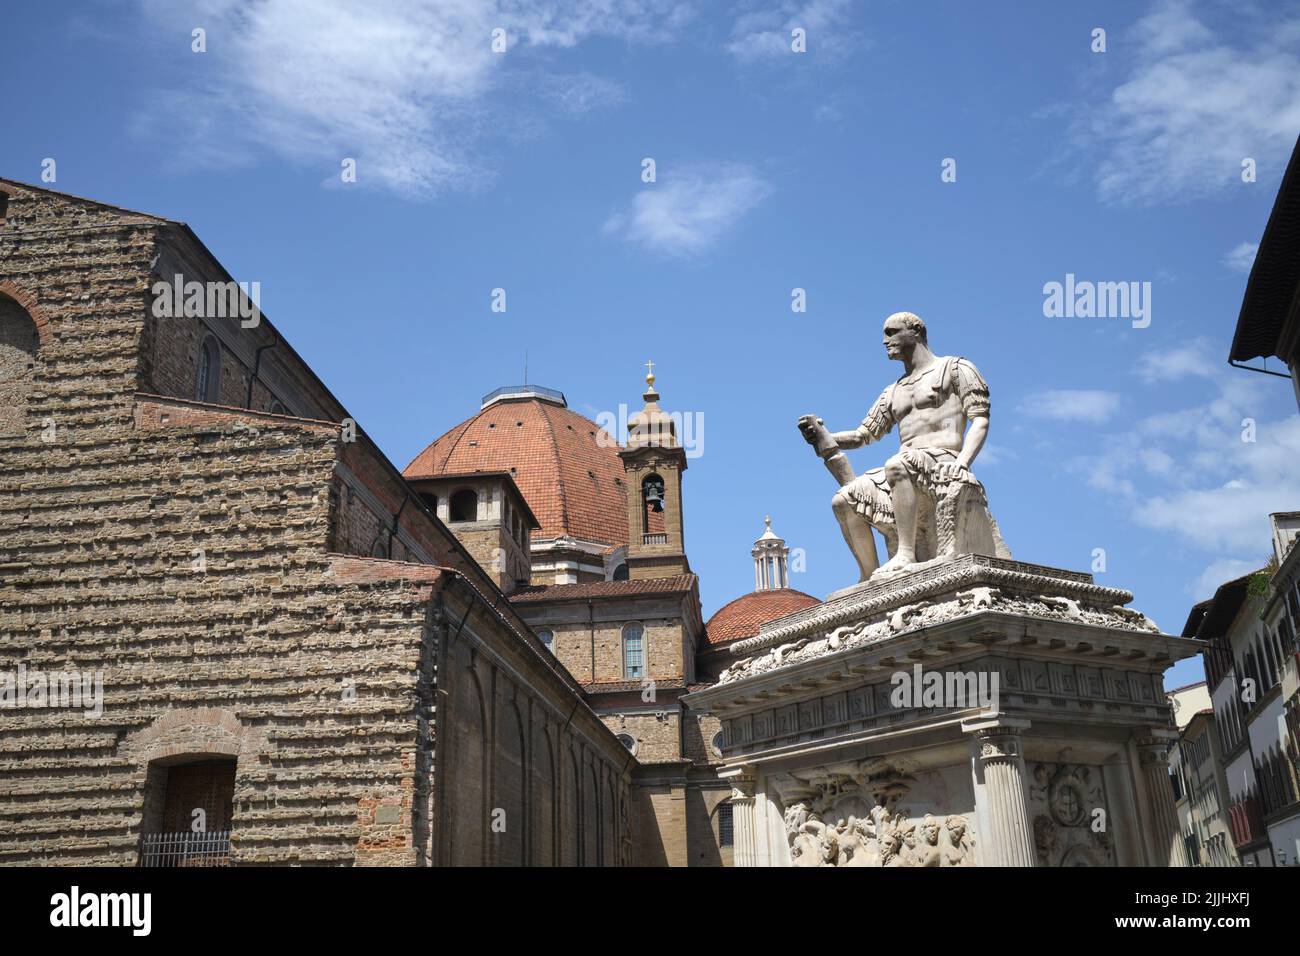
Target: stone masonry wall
181	553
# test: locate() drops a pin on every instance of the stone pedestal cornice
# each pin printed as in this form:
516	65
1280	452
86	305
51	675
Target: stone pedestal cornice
967	572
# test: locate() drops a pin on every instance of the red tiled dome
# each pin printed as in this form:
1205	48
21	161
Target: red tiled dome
572	482
743	616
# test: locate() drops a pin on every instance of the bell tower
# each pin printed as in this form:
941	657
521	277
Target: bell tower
653	462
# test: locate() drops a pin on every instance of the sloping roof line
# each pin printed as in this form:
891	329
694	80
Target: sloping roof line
1275	275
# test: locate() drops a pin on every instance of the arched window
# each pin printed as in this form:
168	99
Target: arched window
207	381
620	573
431	501
716	745
464	505
633	650
628	741
18	344
547	638
277	408
380	548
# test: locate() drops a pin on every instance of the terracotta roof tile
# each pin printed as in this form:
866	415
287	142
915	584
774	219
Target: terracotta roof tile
745	615
677	583
625	686
571	476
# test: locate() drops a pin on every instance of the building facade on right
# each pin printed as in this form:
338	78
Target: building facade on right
1250	668
1269	812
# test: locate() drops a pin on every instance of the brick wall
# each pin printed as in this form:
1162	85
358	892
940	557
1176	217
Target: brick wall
185	554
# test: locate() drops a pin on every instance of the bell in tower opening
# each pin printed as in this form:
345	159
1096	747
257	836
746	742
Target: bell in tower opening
652	490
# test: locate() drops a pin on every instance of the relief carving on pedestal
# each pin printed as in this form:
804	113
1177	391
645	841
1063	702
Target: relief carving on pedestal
1071	819
849	815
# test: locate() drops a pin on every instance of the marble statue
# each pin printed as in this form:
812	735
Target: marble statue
924	501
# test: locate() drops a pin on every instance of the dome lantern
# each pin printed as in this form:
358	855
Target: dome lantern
771	560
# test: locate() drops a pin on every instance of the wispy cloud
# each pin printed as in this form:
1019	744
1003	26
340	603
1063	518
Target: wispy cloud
1208	473
763	32
1093	406
1219	572
1192	360
689	209
1241	257
1195	105
408	88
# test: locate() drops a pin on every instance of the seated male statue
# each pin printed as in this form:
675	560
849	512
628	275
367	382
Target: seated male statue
924	501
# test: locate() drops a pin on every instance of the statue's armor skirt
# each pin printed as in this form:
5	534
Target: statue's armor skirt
869	492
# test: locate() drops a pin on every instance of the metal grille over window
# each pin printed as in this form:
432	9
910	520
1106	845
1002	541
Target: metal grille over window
211	848
725	837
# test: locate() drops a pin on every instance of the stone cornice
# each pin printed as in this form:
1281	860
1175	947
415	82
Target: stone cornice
968	571
972	633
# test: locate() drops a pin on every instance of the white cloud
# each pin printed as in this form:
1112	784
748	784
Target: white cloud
406	87
764	33
1189	473
1242	256
1196	104
690	208
1072	405
1220	572
579	92
1193	360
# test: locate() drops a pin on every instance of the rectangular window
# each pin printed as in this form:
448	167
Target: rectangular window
633	657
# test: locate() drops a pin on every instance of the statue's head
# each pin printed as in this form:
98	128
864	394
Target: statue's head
902	331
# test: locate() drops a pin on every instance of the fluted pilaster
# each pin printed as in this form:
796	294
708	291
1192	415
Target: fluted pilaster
743	823
1166	837
1002	768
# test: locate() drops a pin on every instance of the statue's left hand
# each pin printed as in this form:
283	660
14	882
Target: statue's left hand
811	426
953	471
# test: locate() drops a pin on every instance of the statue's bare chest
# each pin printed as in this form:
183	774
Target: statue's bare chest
921	393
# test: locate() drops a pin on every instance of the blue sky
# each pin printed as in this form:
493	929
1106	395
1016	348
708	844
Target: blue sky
522	170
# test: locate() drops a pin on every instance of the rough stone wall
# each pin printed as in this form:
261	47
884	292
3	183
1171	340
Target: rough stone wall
698	731
18	346
181	553
496	552
657	733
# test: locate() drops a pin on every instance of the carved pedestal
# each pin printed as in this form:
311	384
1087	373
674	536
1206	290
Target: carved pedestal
978	712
